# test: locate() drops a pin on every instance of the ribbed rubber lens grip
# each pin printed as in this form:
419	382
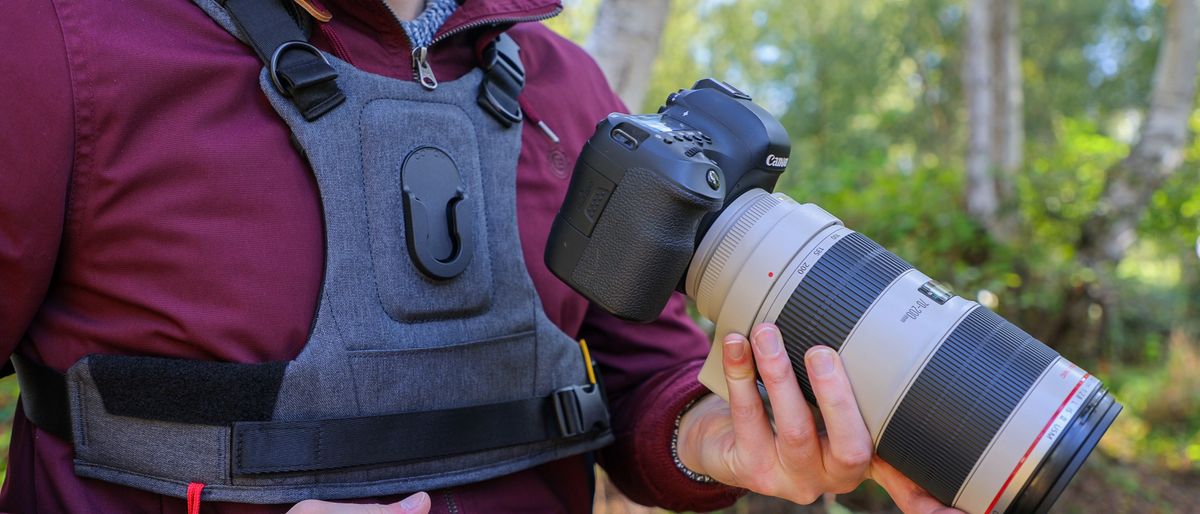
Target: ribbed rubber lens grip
833	296
960	399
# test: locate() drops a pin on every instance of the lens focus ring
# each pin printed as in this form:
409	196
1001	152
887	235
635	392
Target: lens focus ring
960	399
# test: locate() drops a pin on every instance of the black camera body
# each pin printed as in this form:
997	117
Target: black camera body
646	188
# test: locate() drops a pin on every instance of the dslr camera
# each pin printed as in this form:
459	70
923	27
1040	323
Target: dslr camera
966	404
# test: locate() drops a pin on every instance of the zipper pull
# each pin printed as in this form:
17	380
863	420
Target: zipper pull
549	133
421	68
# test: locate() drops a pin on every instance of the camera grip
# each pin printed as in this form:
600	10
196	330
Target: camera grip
641	246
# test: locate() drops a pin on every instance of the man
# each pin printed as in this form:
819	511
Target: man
152	203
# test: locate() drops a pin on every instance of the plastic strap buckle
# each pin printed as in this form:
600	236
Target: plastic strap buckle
580	409
504	77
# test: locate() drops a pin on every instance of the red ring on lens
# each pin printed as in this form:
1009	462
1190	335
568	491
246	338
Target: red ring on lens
1035	441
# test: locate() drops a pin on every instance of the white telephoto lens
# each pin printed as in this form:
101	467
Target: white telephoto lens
978	412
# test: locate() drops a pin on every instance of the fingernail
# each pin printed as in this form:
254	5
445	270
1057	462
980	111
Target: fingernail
414	501
768	340
735	347
820	361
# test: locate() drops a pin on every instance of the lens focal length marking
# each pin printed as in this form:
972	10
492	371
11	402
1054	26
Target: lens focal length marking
890	346
847	276
794	272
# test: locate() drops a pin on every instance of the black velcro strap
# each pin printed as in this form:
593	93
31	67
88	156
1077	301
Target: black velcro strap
243	395
186	391
177	390
280	447
504	78
44	396
298	70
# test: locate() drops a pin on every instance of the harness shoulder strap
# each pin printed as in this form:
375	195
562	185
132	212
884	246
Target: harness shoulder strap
299	71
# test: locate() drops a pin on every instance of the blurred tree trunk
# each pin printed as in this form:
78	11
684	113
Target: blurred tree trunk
1191	284
625	42
982	199
1008	121
992	81
1112	227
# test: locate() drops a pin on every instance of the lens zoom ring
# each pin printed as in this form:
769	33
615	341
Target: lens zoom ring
956	405
833	296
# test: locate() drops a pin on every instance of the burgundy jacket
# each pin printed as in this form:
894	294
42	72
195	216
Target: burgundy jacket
151	204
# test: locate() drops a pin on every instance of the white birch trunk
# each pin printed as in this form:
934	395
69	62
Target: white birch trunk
981	196
625	42
1008	120
1158	152
1112	228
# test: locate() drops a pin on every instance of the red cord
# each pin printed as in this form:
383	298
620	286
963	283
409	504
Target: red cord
193	497
529	112
321	15
335	43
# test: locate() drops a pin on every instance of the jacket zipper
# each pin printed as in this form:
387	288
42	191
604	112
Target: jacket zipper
451	505
423	72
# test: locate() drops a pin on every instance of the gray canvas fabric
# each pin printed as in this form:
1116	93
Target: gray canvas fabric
386	339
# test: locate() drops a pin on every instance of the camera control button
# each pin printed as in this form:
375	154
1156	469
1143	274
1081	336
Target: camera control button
714	180
678	137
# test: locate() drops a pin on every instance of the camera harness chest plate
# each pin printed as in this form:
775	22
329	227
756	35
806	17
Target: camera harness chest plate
430	362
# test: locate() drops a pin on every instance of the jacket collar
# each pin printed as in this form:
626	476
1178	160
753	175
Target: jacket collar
471	13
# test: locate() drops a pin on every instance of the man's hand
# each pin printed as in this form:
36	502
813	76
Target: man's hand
909	496
734	443
416	504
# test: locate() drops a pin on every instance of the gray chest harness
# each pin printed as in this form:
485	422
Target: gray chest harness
430	362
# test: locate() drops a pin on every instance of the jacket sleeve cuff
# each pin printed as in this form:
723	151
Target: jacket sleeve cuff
646	446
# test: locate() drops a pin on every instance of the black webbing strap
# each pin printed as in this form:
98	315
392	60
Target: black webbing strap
313	445
299	71
44	396
280	447
504	78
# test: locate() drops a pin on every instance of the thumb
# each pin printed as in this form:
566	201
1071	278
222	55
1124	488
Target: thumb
416	504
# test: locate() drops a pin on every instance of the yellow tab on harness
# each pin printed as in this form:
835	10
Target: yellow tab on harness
315	11
587	361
